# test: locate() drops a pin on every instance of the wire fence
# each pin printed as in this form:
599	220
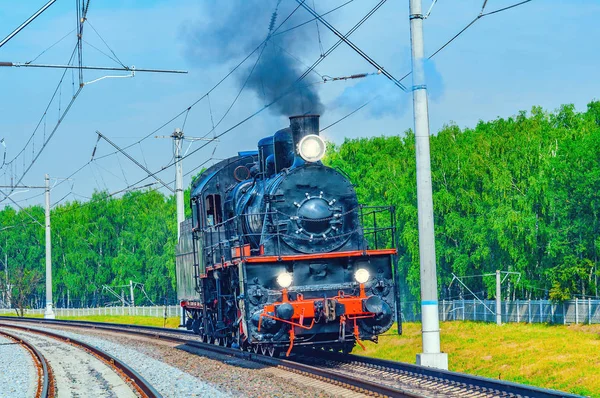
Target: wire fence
155	311
578	311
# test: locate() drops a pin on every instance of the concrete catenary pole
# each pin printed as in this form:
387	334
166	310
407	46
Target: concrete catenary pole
177	140
498	299
431	355
49	314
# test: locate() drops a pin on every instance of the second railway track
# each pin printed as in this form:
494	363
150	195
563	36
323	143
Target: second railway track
68	367
44	385
369	376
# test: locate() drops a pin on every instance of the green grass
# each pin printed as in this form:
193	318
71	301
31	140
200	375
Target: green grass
171	322
565	358
26	315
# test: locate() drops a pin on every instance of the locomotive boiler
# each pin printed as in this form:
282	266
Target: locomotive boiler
278	252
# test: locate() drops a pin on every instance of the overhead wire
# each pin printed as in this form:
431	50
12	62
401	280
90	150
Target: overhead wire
42	118
118	60
357	49
101	52
258	47
341	40
350	114
313	19
82	14
477	18
186	111
318	30
207	94
52	46
290	89
237	66
25	211
78	48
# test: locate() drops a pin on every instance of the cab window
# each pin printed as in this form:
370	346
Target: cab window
214	212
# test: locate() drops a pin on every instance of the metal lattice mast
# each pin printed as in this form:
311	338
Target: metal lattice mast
431	355
178	138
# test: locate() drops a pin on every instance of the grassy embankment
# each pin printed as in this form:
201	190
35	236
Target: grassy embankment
171	322
565	358
560	357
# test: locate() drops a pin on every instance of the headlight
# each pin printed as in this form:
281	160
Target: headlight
284	280
361	275
312	148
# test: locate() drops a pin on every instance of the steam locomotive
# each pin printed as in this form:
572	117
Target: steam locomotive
278	252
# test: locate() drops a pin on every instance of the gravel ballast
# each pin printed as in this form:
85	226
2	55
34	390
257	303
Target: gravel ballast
78	373
18	375
177	373
166	379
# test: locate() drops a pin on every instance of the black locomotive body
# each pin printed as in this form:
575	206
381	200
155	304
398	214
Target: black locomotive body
279	253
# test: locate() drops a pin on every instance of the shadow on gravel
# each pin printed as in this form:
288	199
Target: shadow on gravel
229	360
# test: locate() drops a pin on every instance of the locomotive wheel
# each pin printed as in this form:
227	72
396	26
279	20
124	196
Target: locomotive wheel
217	341
255	348
347	348
196	326
263	349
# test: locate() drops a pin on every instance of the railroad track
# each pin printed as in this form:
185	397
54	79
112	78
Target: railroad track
361	374
135	384
45	384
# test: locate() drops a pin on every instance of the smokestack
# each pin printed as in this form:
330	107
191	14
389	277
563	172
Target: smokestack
302	126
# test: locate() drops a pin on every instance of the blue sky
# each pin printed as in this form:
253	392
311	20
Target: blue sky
542	53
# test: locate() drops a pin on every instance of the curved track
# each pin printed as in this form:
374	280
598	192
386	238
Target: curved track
362	374
135	382
45	385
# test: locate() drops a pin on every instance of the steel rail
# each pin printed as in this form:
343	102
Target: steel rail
143	387
45	387
325	375
477	383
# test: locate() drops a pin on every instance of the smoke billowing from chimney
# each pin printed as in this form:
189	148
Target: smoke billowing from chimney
235	27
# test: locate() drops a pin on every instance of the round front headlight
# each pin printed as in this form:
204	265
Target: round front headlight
312	148
361	275
284	280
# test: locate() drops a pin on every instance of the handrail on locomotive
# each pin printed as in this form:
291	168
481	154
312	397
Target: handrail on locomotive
218	248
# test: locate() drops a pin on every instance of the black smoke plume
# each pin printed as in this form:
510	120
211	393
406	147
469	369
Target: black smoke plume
232	29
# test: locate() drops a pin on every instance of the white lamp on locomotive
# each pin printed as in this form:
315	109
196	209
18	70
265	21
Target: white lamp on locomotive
284	280
361	275
312	148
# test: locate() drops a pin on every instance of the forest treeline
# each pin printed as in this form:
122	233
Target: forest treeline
105	241
520	194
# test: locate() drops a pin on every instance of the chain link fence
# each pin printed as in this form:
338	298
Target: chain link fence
156	311
530	311
578	311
